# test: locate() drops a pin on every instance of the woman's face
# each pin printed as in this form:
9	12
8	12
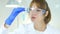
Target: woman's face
36	14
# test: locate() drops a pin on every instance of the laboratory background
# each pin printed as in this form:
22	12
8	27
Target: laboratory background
23	17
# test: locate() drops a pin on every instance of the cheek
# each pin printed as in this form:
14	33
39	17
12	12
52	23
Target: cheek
40	17
32	14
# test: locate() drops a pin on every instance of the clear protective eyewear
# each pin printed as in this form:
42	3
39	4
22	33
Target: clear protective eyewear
38	10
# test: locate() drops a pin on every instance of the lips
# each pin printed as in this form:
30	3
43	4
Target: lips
33	17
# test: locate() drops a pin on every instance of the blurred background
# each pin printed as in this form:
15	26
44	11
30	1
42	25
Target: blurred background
5	11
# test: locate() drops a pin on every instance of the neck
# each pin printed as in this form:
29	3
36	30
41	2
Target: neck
40	26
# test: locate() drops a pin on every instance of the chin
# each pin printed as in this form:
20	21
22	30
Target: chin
33	20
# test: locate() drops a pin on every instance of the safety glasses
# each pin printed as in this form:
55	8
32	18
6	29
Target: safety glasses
37	10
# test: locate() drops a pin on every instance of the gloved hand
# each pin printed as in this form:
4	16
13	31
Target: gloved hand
13	15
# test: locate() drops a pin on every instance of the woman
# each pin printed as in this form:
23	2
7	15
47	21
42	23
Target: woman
40	16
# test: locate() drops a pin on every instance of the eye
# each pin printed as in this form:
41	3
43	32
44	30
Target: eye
29	9
38	10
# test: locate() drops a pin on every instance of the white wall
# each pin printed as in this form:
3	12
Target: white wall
55	12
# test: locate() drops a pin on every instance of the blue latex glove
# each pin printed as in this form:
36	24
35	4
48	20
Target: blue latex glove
13	15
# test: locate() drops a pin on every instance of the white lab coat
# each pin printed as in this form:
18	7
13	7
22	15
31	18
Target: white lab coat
29	29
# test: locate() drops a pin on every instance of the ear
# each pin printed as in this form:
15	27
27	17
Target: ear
46	13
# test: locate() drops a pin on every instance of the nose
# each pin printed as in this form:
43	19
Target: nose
34	13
